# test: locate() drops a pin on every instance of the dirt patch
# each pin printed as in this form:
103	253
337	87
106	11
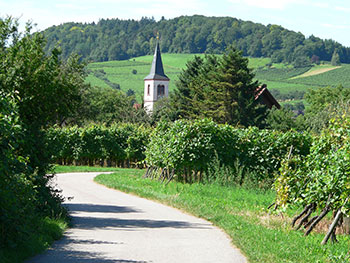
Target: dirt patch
274	221
314	72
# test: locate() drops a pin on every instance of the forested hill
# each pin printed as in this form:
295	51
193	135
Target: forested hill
115	39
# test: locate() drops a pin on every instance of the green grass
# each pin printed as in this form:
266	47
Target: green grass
339	76
258	62
96	82
171	60
240	212
285	87
38	240
121	71
72	169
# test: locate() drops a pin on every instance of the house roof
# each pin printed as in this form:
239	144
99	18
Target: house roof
266	97
157	71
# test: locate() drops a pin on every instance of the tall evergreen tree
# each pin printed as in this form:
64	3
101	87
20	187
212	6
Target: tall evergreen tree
221	88
180	99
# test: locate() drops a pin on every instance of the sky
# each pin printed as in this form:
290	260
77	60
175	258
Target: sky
323	18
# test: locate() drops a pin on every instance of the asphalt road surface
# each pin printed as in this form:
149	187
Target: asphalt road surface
110	226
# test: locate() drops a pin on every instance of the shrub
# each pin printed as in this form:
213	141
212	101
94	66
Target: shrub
119	144
189	147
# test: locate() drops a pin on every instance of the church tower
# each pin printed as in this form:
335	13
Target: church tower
156	82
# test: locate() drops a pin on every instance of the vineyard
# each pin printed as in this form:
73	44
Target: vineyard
280	73
121	72
307	171
336	77
185	147
189	148
118	145
320	182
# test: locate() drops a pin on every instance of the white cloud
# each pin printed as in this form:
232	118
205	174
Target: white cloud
332	26
268	4
320	5
343	9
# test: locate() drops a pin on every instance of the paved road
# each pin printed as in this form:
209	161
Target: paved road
111	226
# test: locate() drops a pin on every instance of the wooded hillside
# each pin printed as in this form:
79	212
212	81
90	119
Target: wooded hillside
115	39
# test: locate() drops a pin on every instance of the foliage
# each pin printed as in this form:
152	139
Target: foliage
163	111
284	120
194	145
115	144
290	95
106	106
48	89
324	103
221	88
115	39
37	90
16	190
320	179
335	61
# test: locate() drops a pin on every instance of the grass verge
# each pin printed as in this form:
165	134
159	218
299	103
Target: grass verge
241	213
76	169
45	231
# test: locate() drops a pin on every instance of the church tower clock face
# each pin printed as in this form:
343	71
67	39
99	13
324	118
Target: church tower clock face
156	83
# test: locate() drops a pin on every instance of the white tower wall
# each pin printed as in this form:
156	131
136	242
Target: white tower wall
151	93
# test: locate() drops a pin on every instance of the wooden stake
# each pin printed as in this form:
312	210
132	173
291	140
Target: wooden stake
334	224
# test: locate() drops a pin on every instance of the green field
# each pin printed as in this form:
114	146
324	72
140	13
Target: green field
121	71
277	76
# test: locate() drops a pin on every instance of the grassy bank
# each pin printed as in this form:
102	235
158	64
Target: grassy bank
83	169
43	233
241	213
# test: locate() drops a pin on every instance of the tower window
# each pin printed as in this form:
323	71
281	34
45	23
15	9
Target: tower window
148	89
160	90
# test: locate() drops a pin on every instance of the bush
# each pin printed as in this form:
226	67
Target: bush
320	180
189	147
120	144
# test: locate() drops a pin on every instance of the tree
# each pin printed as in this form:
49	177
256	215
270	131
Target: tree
105	105
221	88
49	90
122	39
284	120
324	104
335	61
163	111
37	90
180	99
315	59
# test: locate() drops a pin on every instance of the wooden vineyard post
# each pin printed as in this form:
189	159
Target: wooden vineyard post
334	224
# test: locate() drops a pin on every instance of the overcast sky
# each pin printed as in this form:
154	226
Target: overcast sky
322	18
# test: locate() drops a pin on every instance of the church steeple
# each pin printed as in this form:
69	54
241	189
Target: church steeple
156	82
157	70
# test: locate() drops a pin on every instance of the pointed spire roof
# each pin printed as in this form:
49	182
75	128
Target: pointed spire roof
157	71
